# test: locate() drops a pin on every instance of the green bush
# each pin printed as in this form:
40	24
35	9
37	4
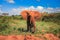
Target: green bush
18	17
4	23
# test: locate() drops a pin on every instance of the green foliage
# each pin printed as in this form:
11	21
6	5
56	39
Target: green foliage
53	17
4	23
16	24
54	30
18	17
19	29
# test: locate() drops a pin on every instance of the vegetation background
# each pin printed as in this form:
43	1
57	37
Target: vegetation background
48	23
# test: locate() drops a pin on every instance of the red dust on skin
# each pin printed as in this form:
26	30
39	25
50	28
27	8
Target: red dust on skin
34	14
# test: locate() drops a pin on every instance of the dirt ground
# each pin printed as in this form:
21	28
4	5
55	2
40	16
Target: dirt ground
29	37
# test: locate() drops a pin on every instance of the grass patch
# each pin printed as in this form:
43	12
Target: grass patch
15	27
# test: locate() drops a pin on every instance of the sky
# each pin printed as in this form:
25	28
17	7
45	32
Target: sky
14	7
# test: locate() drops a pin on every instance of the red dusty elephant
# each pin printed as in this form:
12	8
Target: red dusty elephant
30	16
37	15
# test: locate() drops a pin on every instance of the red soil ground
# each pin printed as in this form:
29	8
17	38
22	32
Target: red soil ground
29	37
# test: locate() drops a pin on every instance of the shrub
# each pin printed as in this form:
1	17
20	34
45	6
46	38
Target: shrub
4	23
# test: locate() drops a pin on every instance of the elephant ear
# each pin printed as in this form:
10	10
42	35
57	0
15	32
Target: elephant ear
34	14
23	14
